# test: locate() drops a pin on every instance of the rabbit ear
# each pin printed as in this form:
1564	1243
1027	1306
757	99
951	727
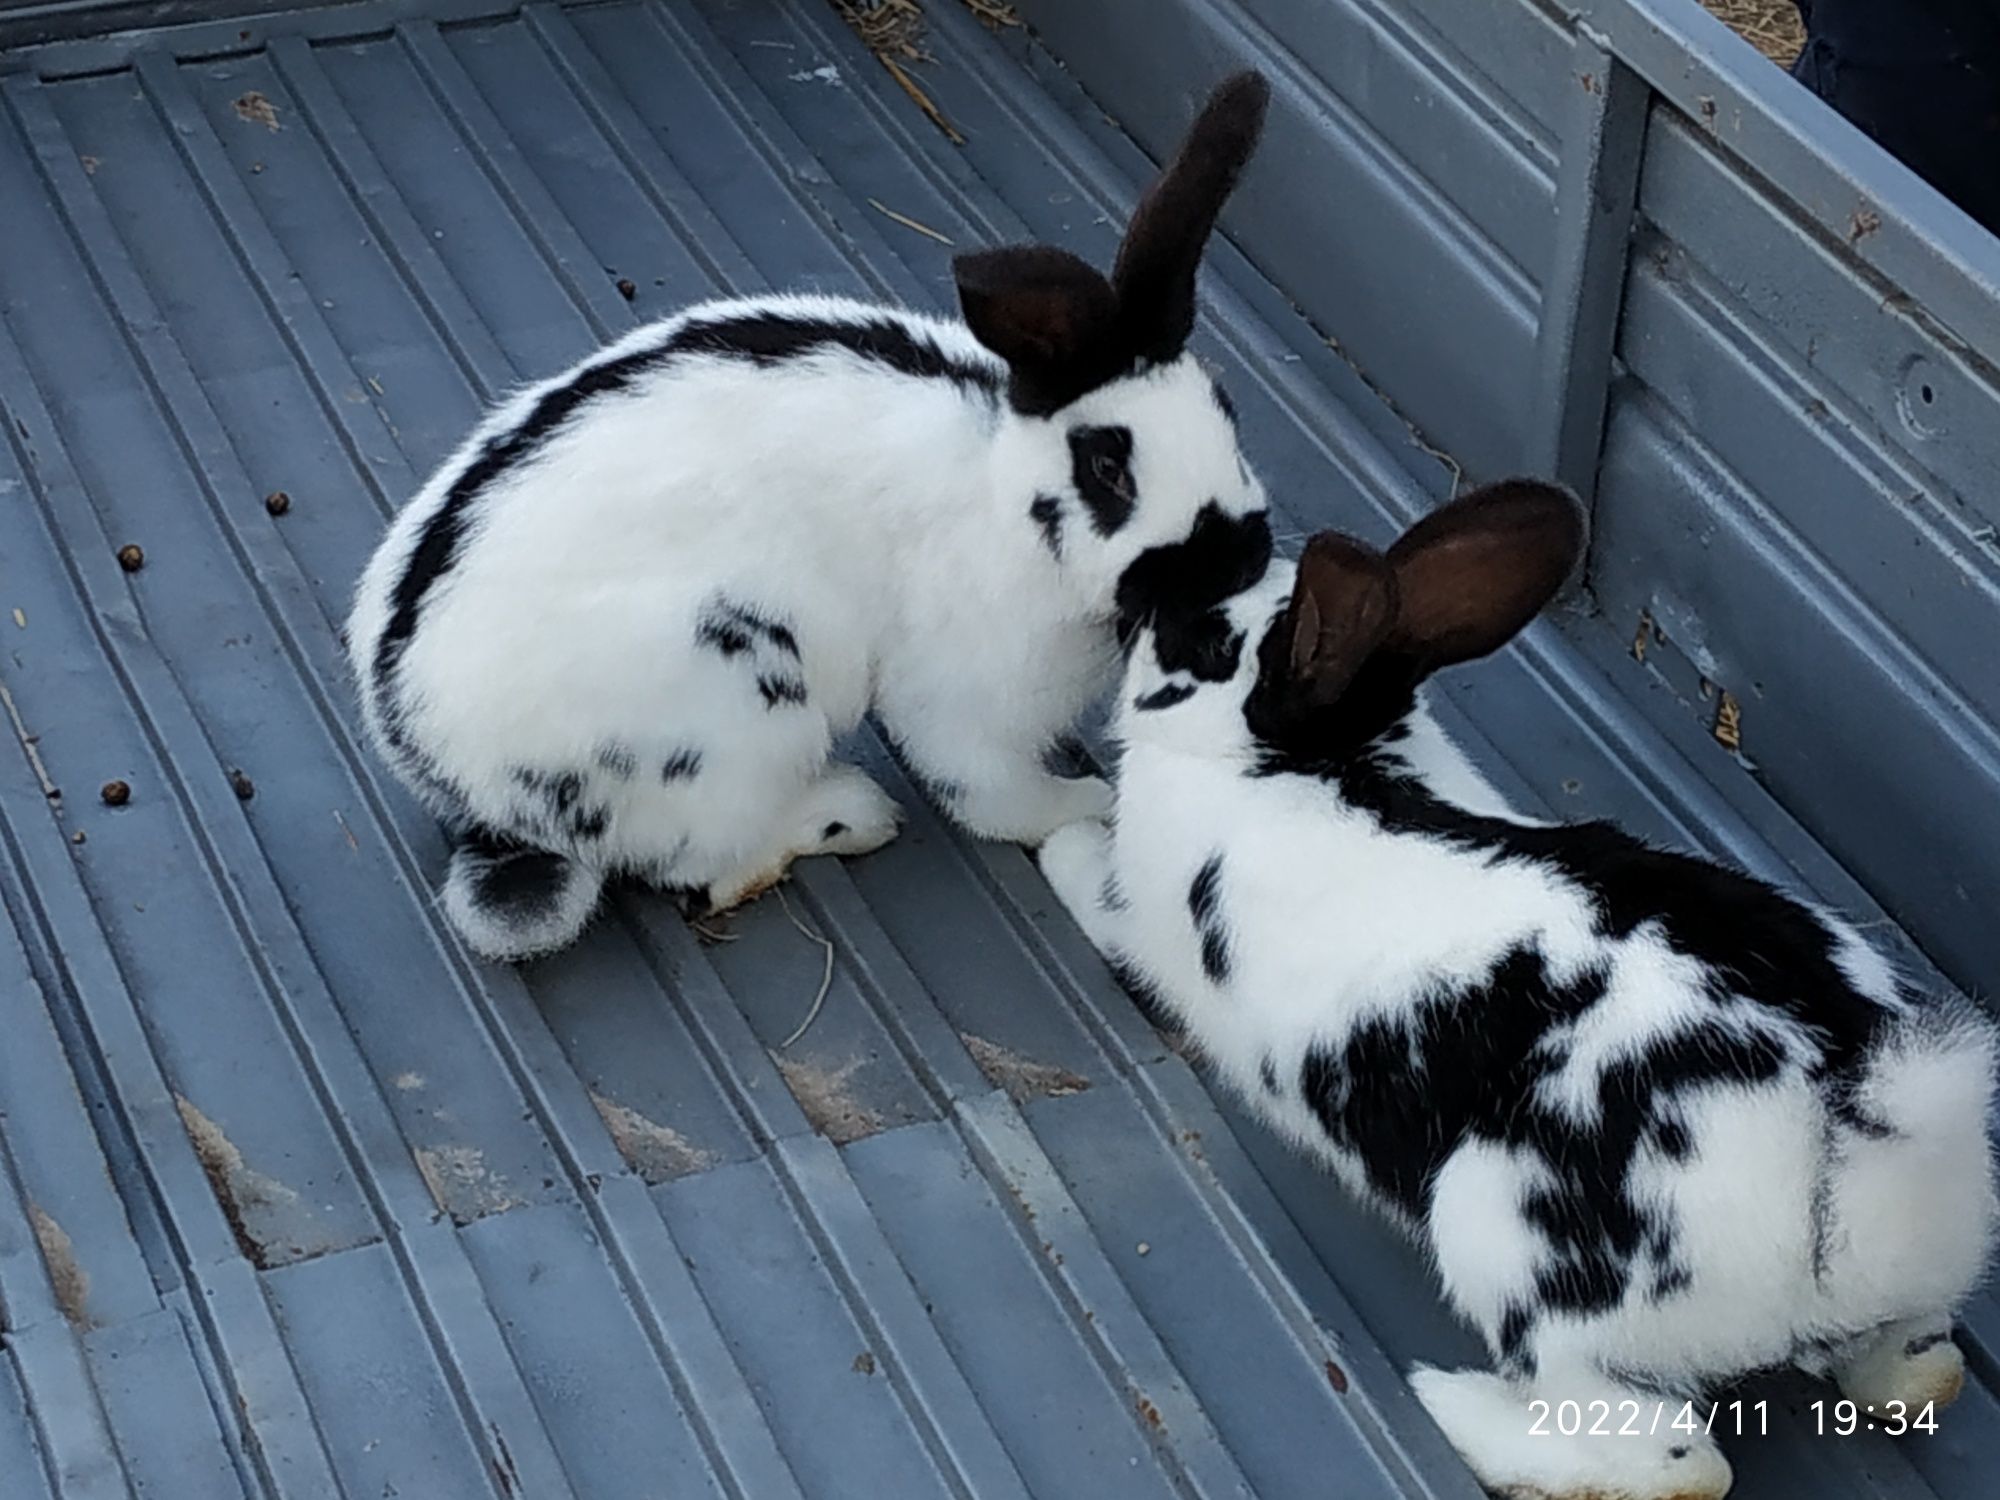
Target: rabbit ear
1156	264
1472	574
1051	316
1343	605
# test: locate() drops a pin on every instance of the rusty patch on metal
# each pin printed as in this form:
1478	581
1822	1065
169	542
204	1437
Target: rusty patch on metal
246	1196
1728	721
67	1277
829	1104
461	1183
1022	1077
658	1153
256	109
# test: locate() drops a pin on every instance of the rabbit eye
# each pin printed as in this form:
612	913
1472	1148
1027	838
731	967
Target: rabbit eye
1101	469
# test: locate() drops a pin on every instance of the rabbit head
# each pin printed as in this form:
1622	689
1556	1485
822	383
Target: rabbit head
1115	439
1309	666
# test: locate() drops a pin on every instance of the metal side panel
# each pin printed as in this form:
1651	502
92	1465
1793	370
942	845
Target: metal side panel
298	1201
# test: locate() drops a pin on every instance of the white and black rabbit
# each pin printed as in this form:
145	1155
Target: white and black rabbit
621	628
1655	1123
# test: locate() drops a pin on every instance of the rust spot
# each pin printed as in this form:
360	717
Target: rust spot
1336	1377
829	1104
461	1183
1729	722
656	1152
1862	223
242	1192
1590	83
864	1363
256	109
67	1277
1022	1077
1149	1412
1707	108
1642	637
626	289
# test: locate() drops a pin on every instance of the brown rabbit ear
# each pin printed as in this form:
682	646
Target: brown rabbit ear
1051	316
1343	605
1472	574
1155	274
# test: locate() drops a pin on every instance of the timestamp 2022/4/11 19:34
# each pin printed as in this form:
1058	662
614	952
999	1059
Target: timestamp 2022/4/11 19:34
1634	1418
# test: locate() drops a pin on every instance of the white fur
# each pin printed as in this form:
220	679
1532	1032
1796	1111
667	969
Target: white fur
882	517
1333	920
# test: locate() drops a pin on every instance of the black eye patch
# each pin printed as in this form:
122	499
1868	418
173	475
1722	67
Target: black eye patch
1204	646
1100	461
1222	556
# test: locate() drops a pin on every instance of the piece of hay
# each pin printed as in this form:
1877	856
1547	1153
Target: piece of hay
1771	26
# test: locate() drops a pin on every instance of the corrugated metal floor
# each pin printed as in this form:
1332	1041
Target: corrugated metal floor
297	1201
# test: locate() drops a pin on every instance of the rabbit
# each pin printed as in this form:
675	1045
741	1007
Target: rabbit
1655	1123
620	630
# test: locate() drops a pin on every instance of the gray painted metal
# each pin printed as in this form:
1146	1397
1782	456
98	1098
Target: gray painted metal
296	1200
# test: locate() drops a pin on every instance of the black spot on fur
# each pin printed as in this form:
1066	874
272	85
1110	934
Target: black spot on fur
1046	512
1670	1281
1267	1073
1164	697
833	830
1923	1344
1205	906
563	808
1671	1137
558	791
1679	1450
1404	1091
731	627
1111	895
1101	469
1761	945
720	633
618	760
682	765
513	879
1173	586
779	691
1203	646
1068	757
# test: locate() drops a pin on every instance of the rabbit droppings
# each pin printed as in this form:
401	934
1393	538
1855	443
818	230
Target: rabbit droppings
620	629
1656	1124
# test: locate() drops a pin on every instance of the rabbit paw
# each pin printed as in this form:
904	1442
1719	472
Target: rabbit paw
1489	1422
847	813
1914	1363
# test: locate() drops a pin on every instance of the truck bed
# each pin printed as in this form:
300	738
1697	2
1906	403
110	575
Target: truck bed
877	1188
